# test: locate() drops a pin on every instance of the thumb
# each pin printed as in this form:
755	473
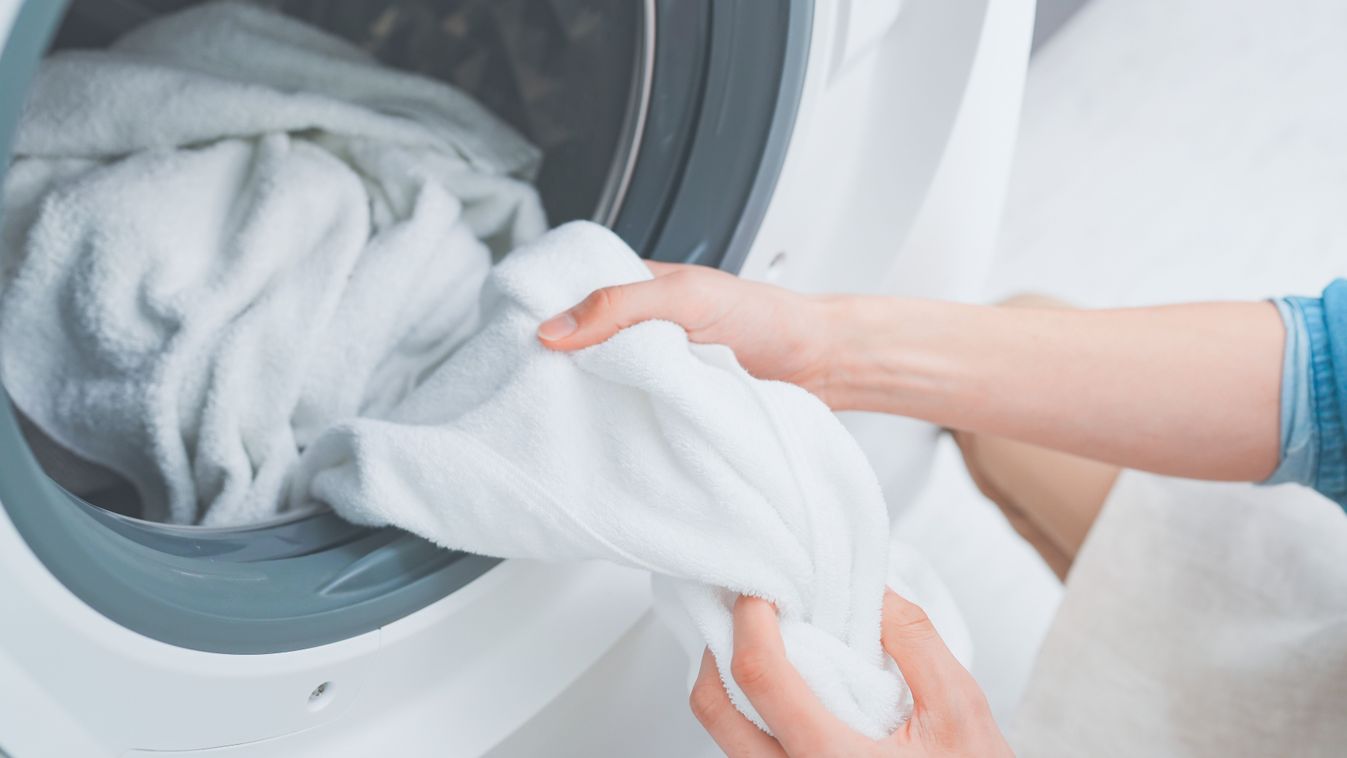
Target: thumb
604	313
937	680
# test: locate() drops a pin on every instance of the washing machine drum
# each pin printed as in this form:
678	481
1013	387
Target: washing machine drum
665	120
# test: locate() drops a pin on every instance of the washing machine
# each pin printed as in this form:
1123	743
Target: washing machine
832	145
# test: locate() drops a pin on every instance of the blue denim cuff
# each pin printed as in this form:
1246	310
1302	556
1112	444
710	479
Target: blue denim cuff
1299	434
1314	442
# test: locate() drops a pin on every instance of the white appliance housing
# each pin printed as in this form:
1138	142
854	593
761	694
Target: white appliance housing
892	181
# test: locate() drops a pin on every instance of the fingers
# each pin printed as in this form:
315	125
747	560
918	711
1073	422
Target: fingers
734	733
939	683
778	692
660	268
606	311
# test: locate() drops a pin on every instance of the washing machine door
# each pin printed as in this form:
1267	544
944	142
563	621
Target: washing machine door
671	127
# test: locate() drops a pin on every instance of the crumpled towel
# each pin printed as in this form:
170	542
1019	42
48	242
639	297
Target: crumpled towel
646	450
220	249
231	230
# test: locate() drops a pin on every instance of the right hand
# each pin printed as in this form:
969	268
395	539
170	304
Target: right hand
774	332
950	716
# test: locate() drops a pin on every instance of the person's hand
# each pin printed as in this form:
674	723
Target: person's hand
950	715
775	333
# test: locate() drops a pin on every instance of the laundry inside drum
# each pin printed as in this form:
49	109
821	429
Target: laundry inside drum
566	75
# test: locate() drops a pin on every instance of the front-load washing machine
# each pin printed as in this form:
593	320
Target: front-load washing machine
832	145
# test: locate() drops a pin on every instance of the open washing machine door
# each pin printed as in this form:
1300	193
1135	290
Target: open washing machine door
736	133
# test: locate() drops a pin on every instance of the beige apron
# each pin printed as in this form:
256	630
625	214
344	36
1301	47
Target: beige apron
1200	619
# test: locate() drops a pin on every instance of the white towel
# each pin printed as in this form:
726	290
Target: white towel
220	250
231	230
646	450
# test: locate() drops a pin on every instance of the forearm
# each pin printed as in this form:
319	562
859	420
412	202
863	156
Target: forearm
1189	390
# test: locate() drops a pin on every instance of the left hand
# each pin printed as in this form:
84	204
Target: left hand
775	333
950	716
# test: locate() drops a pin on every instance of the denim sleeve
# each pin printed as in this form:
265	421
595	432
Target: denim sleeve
1314	388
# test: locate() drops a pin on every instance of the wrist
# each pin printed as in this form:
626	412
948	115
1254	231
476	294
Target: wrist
894	355
859	336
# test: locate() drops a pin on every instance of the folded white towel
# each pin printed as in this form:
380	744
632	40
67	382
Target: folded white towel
231	230
646	450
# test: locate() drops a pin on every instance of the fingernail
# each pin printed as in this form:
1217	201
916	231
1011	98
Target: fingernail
557	327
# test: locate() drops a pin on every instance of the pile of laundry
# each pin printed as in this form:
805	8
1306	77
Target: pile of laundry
248	269
228	232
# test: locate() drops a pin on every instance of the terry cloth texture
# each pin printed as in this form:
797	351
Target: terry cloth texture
244	269
231	230
647	450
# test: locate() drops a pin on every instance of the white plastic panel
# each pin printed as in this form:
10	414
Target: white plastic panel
463	672
462	675
107	680
896	175
866	23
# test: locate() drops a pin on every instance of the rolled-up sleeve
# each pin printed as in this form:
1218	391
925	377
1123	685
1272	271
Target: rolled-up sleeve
1314	388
